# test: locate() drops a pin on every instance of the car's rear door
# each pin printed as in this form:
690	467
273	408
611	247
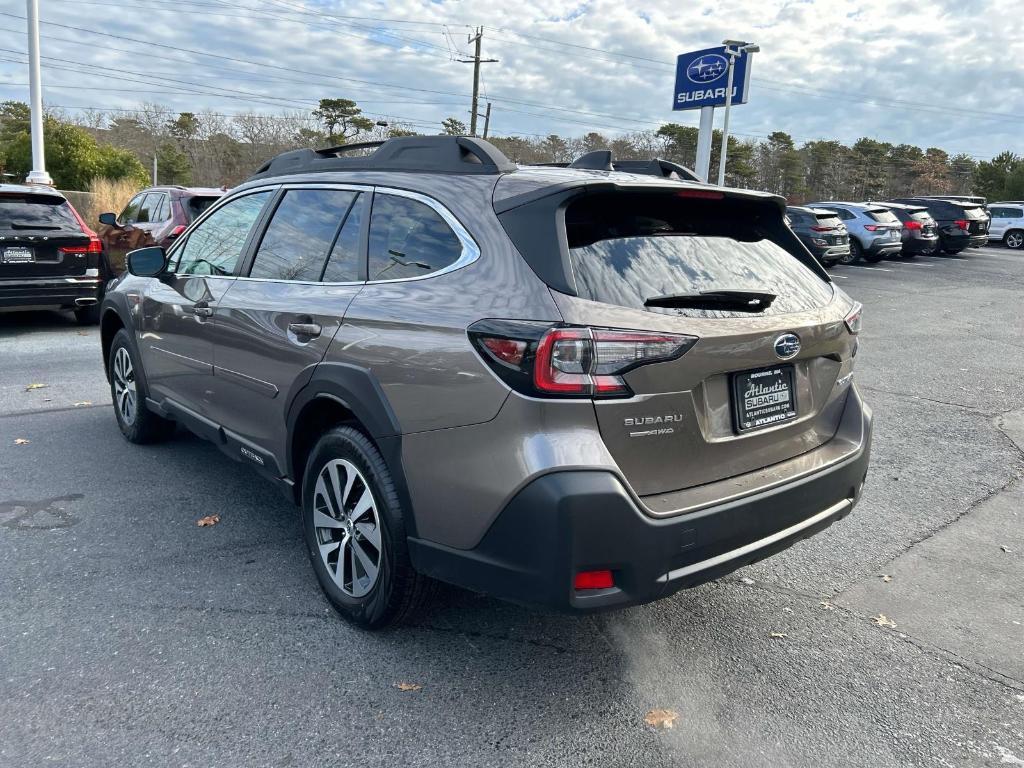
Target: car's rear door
1000	220
177	309
275	323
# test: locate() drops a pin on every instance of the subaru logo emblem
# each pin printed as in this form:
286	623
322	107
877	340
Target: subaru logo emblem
707	68
787	346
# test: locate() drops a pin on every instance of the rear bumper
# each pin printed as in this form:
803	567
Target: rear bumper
566	522
880	247
829	252
49	291
921	244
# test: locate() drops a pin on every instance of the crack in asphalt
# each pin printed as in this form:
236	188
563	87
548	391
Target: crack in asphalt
910	396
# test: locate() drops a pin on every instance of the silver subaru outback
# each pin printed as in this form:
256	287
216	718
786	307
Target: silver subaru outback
577	387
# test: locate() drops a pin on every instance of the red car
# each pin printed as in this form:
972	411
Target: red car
155	216
48	256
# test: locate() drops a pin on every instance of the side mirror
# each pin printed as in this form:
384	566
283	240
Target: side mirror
147	262
110	219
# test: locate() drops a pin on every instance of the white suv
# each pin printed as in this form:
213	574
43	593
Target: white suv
1007	223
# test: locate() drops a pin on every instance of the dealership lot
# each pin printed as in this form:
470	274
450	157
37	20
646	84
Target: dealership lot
129	634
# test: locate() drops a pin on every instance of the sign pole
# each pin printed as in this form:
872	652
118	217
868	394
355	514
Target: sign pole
725	125
707	125
38	174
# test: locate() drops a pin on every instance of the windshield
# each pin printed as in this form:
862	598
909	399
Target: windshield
626	249
41	212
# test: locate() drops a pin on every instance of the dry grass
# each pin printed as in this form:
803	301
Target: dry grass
106	195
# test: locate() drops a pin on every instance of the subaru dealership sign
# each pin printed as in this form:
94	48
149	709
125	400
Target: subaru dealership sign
701	78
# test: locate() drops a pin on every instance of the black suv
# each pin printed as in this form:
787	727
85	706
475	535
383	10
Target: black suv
920	232
48	255
960	224
580	387
822	232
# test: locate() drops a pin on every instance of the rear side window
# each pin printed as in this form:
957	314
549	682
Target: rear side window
883	216
195	206
214	246
627	248
36	212
408	238
296	244
343	266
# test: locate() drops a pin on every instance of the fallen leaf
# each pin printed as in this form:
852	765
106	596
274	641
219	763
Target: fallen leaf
21	441
83	403
30	387
827	605
661	718
747	581
881	620
408	686
208	520
778	635
1004	548
886	578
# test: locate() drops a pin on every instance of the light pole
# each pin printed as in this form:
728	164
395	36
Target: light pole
38	174
733	49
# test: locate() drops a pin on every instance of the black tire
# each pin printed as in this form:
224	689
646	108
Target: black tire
88	315
856	252
1014	239
138	424
397	590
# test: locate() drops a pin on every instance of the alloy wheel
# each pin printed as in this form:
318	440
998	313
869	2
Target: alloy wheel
347	525
1015	240
125	391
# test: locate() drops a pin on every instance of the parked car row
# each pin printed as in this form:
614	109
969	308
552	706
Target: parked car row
840	232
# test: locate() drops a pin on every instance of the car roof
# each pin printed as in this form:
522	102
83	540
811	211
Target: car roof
30	189
810	209
909	207
841	203
185	191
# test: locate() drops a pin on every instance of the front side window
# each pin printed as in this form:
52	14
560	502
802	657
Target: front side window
131	211
213	248
301	234
408	238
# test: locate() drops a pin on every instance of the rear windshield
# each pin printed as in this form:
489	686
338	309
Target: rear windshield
828	220
196	205
975	213
922	215
36	212
883	216
627	248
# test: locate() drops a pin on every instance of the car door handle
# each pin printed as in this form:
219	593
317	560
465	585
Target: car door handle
310	330
201	310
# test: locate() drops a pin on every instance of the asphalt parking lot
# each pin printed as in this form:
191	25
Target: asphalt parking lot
128	635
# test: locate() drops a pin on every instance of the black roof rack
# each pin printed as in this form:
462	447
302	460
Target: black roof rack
415	154
602	160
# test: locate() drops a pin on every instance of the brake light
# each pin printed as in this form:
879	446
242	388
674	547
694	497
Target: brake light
873	227
177	230
94	246
963	224
822	229
594	580
701	194
853	317
912	225
570	361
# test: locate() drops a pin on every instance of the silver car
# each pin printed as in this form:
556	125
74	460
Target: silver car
875	232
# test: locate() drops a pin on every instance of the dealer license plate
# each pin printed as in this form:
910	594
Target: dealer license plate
18	256
763	398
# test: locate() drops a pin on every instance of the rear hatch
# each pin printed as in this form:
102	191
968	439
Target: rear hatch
921	221
886	223
830	228
40	237
759	384
977	220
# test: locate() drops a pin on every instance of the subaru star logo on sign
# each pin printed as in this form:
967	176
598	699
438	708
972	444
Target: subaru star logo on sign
701	79
707	68
787	346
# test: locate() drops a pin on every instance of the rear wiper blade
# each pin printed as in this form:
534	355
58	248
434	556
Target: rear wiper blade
19	225
736	301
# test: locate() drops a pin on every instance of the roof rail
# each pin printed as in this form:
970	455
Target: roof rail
413	154
602	160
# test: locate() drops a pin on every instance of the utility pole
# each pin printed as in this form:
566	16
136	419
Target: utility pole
154	169
733	49
35	87
487	119
476	61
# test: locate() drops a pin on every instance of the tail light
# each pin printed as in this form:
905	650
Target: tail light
94	246
541	360
876	227
822	229
912	225
594	580
963	224
176	231
853	318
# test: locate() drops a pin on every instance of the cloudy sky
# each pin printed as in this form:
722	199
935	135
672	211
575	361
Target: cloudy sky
947	73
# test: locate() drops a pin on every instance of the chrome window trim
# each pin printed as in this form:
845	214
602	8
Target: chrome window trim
470	250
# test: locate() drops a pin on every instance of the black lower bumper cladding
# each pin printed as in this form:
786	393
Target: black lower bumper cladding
566	522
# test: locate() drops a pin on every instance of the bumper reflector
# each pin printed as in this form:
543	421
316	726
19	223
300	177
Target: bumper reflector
594	580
